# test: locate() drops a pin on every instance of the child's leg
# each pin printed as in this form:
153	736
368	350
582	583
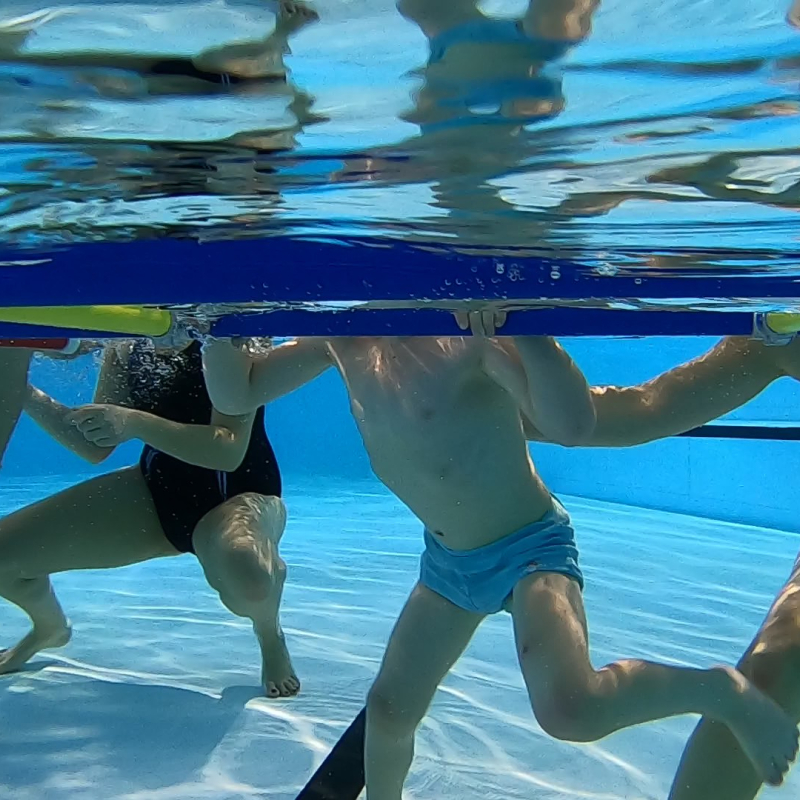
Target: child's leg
262	56
713	766
573	701
430	635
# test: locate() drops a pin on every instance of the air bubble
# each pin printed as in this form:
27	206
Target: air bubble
607	270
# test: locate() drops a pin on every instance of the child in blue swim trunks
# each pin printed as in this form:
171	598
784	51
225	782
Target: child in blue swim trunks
485	70
440	419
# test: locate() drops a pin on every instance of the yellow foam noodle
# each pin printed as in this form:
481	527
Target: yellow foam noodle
784	321
132	320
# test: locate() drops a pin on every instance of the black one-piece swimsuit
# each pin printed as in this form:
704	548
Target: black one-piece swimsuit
172	386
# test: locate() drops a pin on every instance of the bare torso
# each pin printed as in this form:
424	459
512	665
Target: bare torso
444	437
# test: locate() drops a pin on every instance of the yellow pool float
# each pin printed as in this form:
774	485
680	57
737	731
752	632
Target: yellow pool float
131	320
783	322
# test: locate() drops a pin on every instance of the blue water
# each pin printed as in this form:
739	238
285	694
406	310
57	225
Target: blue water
677	131
157	695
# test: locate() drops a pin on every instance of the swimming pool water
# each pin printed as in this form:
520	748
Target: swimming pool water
676	136
157	695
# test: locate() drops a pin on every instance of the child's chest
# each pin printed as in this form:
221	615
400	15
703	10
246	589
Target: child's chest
406	387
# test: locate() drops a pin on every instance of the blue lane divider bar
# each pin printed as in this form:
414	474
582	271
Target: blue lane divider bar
433	322
290	269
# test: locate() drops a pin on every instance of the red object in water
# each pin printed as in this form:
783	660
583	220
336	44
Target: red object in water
36	344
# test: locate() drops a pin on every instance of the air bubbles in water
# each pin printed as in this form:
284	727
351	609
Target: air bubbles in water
607	270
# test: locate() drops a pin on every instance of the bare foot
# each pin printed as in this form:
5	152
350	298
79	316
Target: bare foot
298	11
764	730
12	659
277	674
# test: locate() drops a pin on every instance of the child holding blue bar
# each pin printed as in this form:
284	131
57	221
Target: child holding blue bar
440	419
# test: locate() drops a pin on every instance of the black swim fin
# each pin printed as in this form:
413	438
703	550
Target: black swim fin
341	774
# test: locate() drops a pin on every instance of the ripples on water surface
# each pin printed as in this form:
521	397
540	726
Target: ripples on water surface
670	126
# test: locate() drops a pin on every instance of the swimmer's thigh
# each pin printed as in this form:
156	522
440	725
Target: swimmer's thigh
107	521
551	635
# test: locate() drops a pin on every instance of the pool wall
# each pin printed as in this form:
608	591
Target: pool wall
313	433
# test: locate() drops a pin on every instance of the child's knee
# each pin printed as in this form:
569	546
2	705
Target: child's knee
571	713
390	712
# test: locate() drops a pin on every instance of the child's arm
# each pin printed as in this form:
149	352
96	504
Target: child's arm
220	445
53	417
238	383
503	363
560	403
551	392
94	431
692	394
107	423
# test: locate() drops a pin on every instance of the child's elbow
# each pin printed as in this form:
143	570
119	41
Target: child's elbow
576	431
232	404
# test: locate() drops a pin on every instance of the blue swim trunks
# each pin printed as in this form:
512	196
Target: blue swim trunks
483	579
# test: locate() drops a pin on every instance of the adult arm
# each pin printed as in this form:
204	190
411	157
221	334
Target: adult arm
53	416
726	377
14	363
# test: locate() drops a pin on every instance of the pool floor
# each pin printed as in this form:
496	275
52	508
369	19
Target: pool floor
157	696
